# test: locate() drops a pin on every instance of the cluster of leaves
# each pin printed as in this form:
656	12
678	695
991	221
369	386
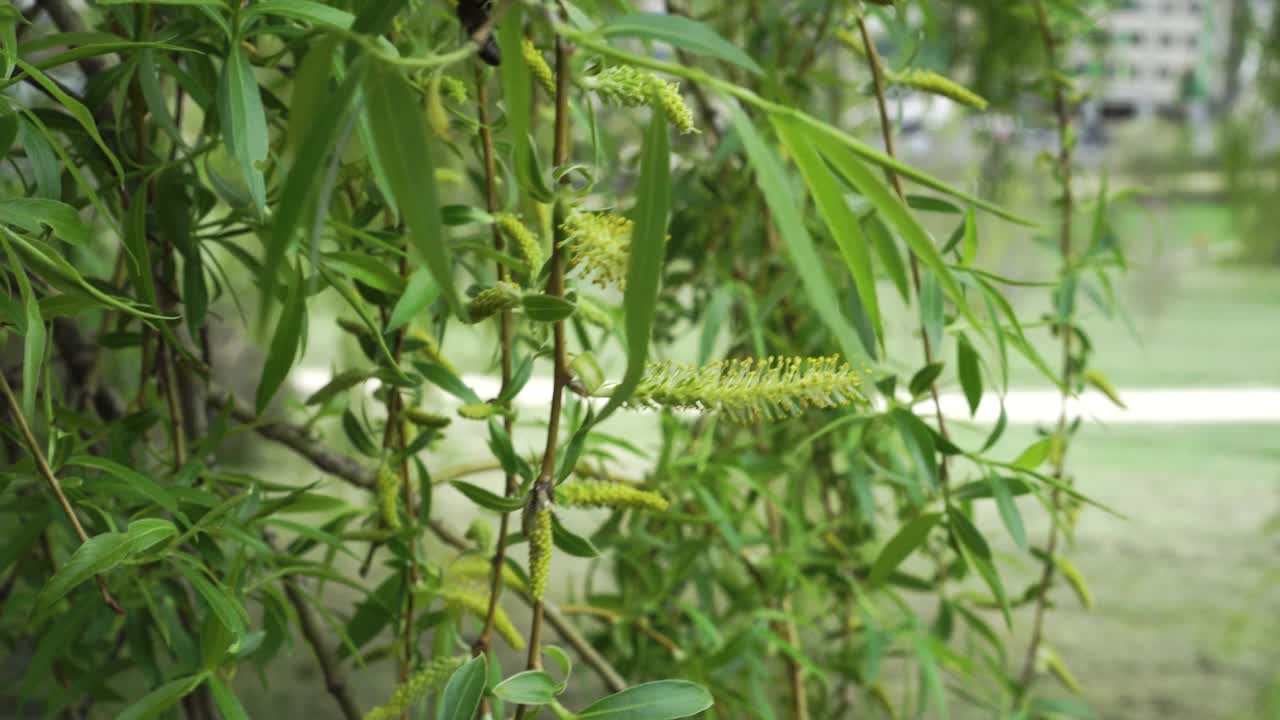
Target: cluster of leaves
363	153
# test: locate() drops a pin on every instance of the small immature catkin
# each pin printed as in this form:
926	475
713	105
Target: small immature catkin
538	67
478	411
477	603
426	420
589	311
387	487
454	88
473	568
540	544
935	84
502	295
600	243
614	495
480	532
417	687
526	241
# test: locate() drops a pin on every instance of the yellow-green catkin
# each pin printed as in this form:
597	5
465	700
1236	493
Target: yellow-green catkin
630	87
453	88
418	686
750	390
479	568
478	411
387	488
600	243
477	603
500	296
935	84
614	495
592	313
538	66
540	544
530	249
426	420
480	532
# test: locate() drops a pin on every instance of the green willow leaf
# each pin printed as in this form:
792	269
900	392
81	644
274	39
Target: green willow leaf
644	262
531	687
102	553
244	123
403	144
419	292
462	693
841	221
978	553
75	107
970	370
571	543
546	308
33	214
682	32
903	543
284	343
660	700
772	180
919	441
486	499
1009	514
225	699
156	702
312	12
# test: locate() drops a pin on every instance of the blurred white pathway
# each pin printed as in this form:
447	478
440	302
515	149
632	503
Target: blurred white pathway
1023	407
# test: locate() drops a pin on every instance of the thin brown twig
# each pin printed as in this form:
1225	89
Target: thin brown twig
33	447
1062	112
886	129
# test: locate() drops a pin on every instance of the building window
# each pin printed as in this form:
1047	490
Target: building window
1166	40
1193	41
1194	6
1164	72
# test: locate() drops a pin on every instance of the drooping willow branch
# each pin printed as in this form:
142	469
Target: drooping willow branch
1062	113
42	465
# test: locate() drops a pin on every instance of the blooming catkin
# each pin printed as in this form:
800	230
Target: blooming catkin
629	87
477	603
935	84
417	687
615	495
387	487
600	243
750	390
540	543
525	240
538	67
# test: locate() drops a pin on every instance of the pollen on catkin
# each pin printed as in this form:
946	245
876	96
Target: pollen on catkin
614	495
630	87
476	602
500	296
750	390
418	686
525	240
600	243
387	487
540	543
935	84
538	66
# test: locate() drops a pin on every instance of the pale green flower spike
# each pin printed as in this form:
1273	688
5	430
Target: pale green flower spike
615	495
476	602
538	67
493	300
935	84
751	390
426	420
526	241
540	543
387	487
470	569
454	88
600	243
629	87
417	687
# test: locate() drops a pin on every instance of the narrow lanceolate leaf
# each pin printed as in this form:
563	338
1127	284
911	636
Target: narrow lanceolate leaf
531	687
102	553
978	553
462	694
244	124
403	144
34	214
907	539
896	214
970	370
840	219
284	343
319	141
772	181
34	333
156	702
660	700
644	264
1009	514
419	292
682	32
73	106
